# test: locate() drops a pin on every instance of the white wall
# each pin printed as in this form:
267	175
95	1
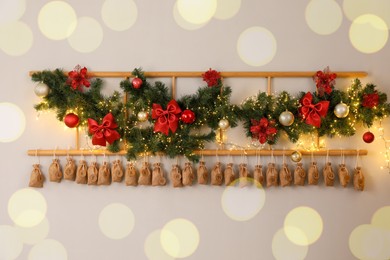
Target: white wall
156	43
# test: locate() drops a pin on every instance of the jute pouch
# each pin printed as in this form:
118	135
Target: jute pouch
299	175
70	169
202	173
131	178
216	174
229	174
55	173
36	177
158	178
176	176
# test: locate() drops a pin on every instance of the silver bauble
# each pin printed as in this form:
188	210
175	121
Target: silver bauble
142	116
223	124
41	90
296	156
286	118
341	110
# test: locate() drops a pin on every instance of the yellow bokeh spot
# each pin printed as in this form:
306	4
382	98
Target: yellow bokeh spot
355	8
179	238
317	16
10	243
27	207
48	249
284	249
226	9
183	23
36	234
87	36
11	10
16	38
153	249
368	33
57	20
197	11
16	122
381	218
303	226
242	204
119	15
116	221
256	46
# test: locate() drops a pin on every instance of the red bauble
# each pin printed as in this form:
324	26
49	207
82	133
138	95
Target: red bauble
368	137
71	120
137	83
188	116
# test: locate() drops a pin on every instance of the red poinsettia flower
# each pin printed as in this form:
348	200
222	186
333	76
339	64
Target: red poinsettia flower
370	100
212	77
263	129
78	78
324	80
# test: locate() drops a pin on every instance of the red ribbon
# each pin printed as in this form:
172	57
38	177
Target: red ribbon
105	132
166	119
312	113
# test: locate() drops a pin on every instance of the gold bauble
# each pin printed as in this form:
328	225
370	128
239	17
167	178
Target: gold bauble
142	116
223	124
296	156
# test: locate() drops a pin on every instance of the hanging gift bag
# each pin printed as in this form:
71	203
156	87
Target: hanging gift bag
243	173
131	178
328	172
272	173
36	177
55	173
313	174
70	169
104	175
285	174
216	174
358	177
229	174
258	174
117	171
202	173
81	173
176	176
92	173
299	175
188	174
343	172
158	178
145	176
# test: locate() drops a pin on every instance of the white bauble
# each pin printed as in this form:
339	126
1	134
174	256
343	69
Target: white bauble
41	90
341	110
286	118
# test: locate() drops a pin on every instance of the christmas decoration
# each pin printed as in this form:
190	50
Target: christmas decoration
36	177
78	78
368	137
263	129
299	175
341	110
312	113
137	83
41	90
286	118
166	119
223	124
188	116
212	78
71	120
142	116
105	132
325	81
296	156
370	100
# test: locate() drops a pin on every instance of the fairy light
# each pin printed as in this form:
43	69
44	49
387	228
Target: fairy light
387	147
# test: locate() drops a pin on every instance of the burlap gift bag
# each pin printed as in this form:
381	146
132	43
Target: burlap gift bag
158	178
285	175
258	175
188	174
358	179
104	175
92	173
229	174
176	176
55	173
343	174
299	175
328	174
131	178
70	169
272	175
36	177
81	172
202	173
117	171
244	175
216	174
313	174
145	176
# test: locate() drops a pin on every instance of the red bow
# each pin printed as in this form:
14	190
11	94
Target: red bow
105	132
312	113
166	119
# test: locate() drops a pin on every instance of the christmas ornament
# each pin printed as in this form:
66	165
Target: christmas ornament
263	129
71	120
137	83
223	124
341	110
368	137
312	113
286	118
166	119
370	100
78	78
188	116
296	156
142	116
325	81
41	90
212	77
105	132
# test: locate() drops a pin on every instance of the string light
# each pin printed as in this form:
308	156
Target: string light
387	147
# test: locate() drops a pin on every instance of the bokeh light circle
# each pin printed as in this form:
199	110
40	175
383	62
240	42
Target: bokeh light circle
153	249
183	23
226	9
10	243
87	36
48	249
16	38
27	207
381	218
179	238
284	249
197	11
354	8
368	33
57	20
11	10
116	221
242	204
308	221
16	122
317	16
256	46
35	234
119	15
